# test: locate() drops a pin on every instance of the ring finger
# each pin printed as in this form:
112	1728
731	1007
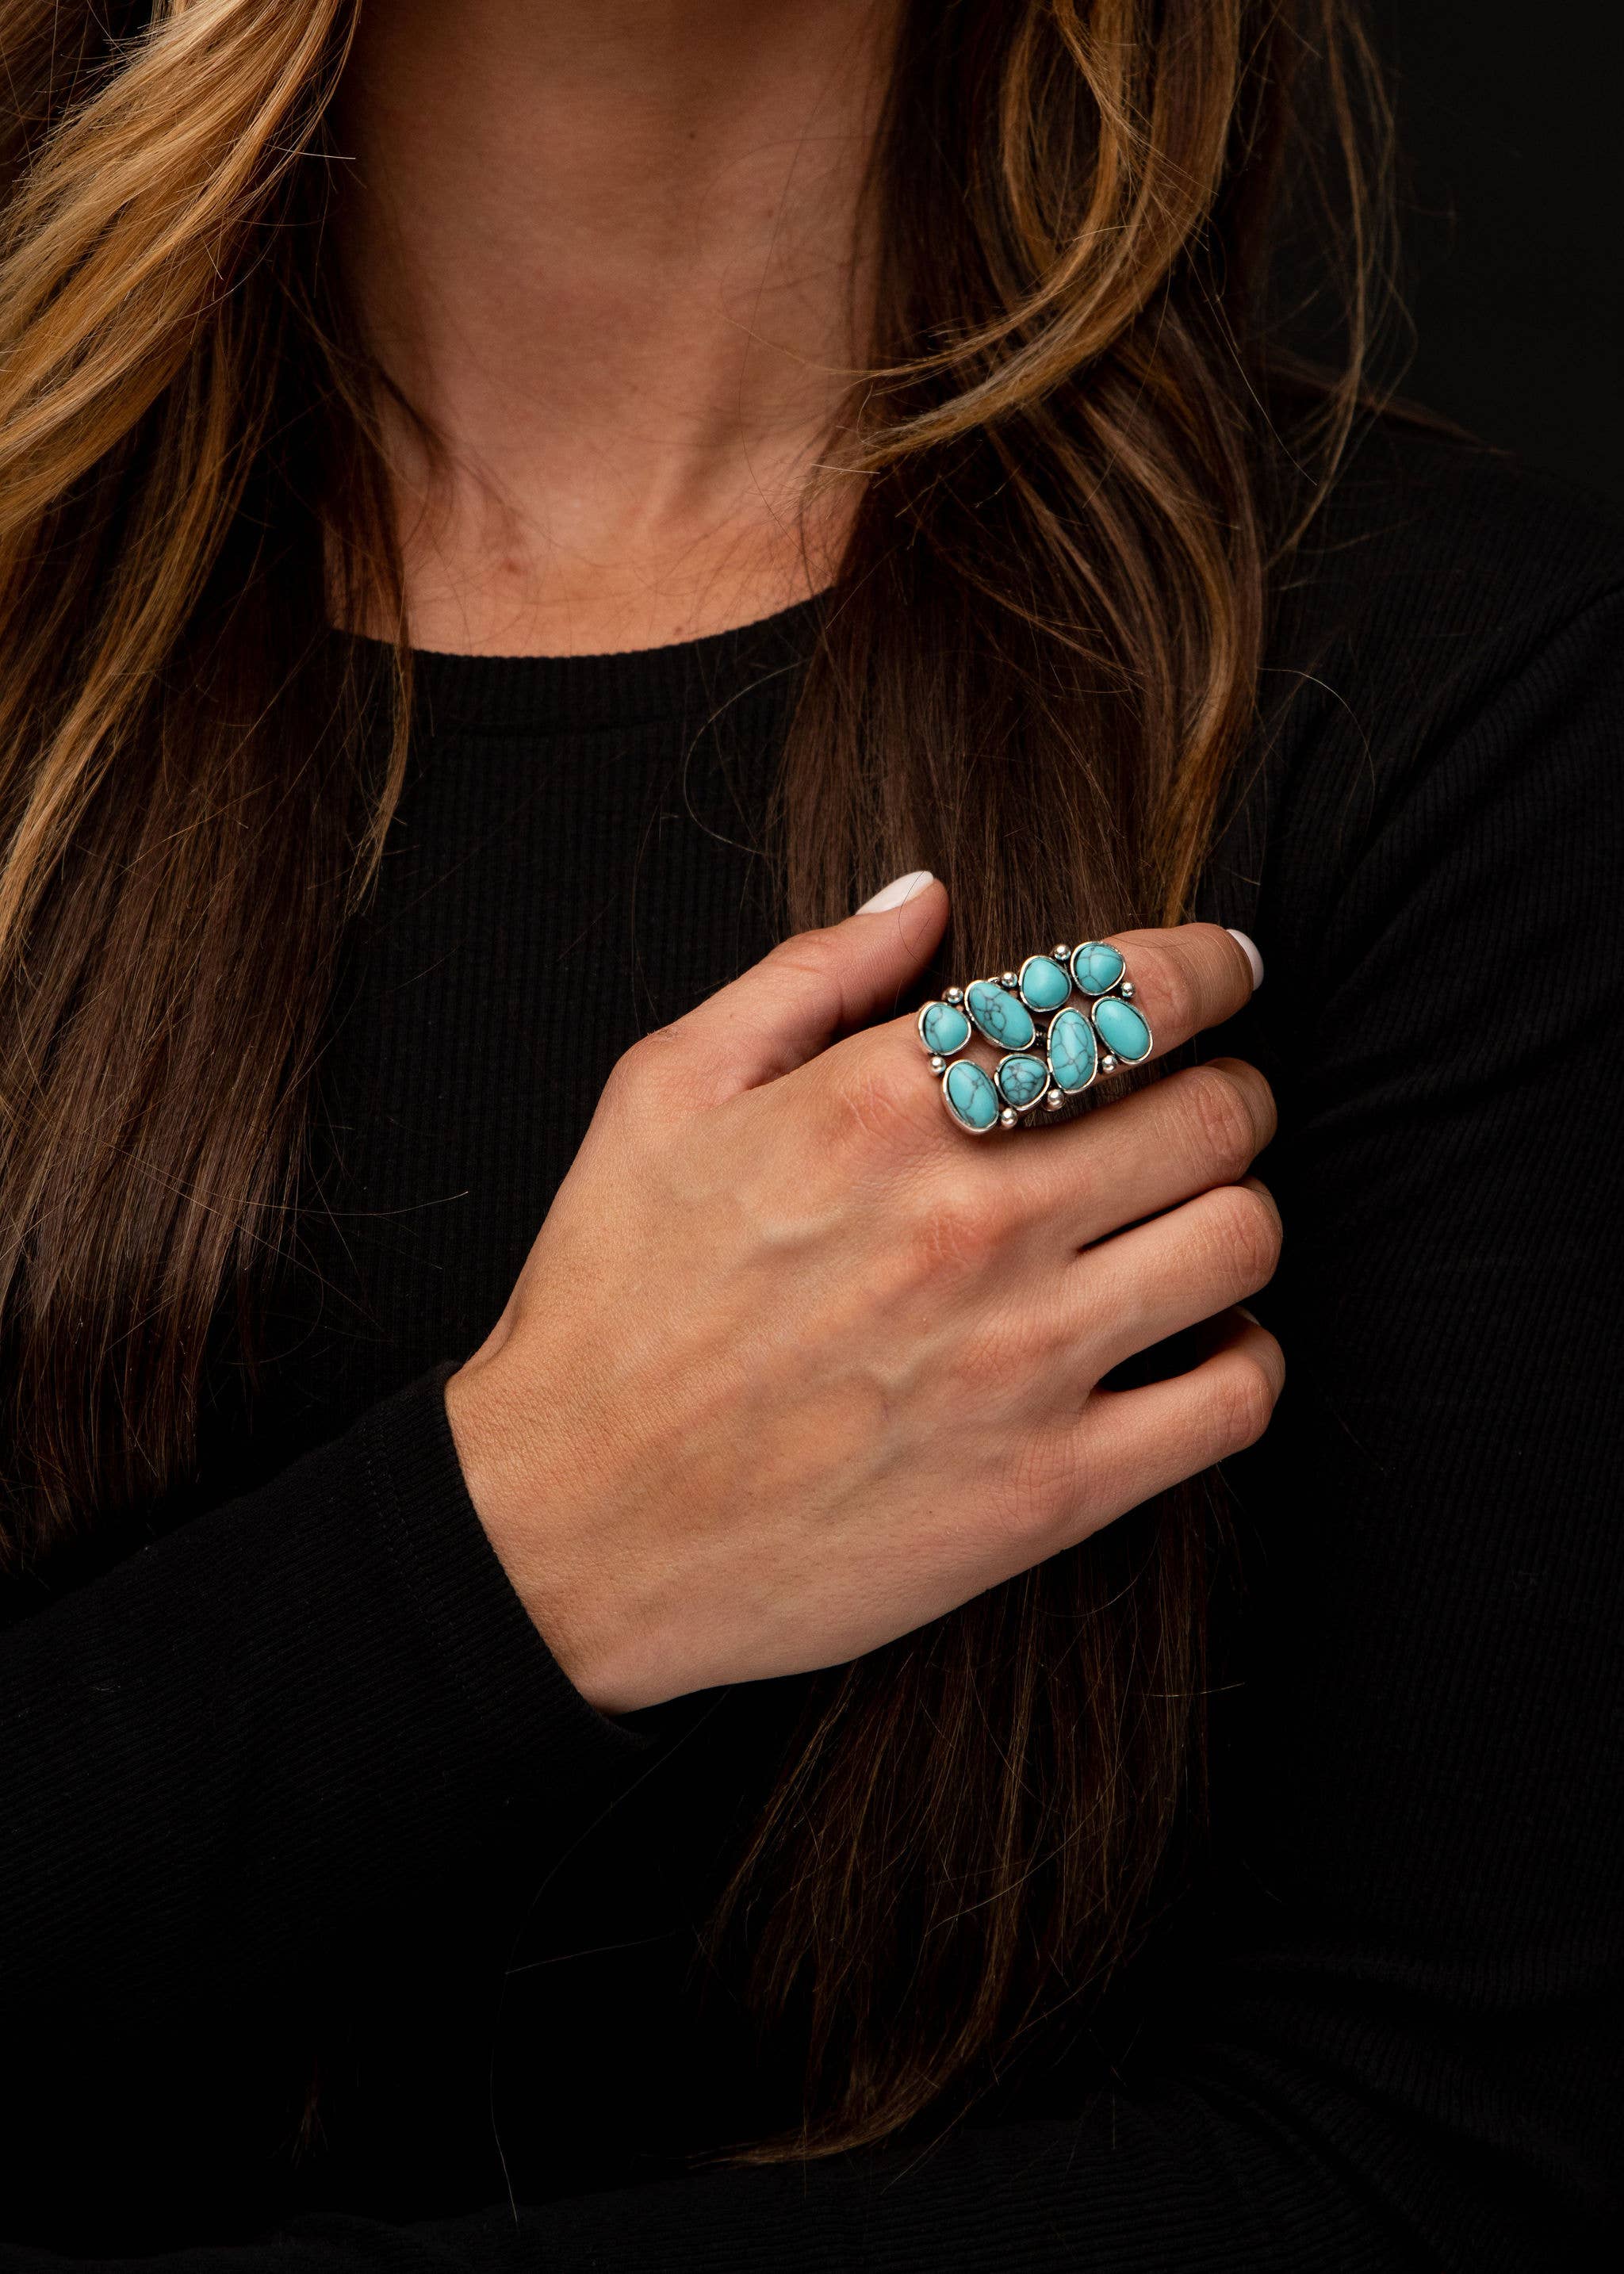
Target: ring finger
1146	1152
1160	1278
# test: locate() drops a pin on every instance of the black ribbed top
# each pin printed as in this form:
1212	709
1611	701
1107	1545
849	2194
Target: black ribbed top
338	1933
584	694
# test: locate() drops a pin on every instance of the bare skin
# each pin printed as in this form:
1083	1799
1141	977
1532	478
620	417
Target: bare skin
609	250
794	1366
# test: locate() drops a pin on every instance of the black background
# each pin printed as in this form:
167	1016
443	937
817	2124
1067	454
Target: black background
1513	187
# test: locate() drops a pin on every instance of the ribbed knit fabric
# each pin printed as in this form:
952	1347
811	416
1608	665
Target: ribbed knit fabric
337	1932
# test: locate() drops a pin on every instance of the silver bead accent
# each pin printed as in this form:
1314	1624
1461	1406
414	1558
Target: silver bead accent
1009	1117
1053	1100
1107	1064
953	995
1060	952
1126	991
1006	979
937	1065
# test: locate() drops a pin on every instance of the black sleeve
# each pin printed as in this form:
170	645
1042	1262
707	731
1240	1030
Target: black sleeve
1401	2047
302	1705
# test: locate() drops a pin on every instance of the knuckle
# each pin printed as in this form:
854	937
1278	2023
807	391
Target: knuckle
1034	1510
1259	1096
806	954
1027	1340
639	1069
1250	1232
1244	1401
870	1109
1177	1007
1063	1486
1225	1133
952	1228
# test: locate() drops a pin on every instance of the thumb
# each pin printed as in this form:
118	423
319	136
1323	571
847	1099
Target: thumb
811	989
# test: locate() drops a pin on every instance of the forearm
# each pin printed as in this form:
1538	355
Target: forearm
238	1739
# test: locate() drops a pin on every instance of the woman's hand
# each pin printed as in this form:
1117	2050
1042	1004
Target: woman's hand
796	1366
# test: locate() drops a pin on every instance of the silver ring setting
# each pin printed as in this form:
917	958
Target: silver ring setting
1069	1015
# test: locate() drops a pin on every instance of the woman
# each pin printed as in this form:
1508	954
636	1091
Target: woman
738	1728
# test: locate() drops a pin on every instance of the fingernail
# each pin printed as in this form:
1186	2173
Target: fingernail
1253	956
899	890
1250	1316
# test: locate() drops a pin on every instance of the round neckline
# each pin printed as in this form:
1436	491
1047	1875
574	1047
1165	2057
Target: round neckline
617	687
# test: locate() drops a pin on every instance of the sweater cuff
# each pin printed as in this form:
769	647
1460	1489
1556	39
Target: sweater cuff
529	1711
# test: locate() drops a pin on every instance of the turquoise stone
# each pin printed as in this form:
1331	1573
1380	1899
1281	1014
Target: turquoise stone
943	1028
1072	1054
1022	1080
1002	1017
1121	1029
1045	984
971	1095
1095	967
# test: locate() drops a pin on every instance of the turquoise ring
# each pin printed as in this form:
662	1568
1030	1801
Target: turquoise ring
1053	1046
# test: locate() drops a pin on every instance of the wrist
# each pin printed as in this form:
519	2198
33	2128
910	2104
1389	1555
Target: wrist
522	1502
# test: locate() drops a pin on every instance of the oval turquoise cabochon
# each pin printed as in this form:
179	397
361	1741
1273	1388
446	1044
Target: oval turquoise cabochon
1121	1029
1044	983
1021	1080
1072	1054
971	1095
1095	967
1002	1017
943	1028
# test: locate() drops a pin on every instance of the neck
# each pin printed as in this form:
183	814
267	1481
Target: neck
610	251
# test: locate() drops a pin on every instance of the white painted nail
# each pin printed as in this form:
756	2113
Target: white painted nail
897	893
1253	956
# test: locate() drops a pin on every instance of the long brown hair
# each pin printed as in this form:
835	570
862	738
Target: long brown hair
1083	447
